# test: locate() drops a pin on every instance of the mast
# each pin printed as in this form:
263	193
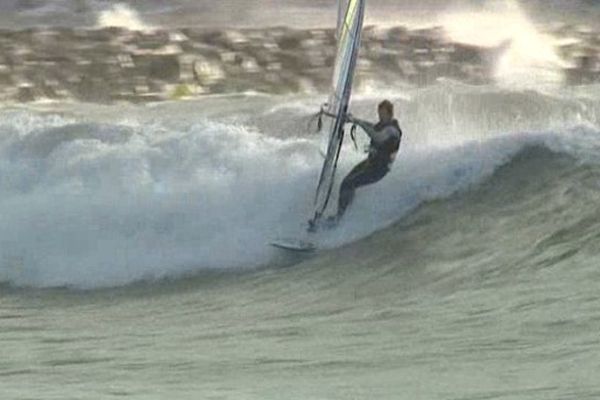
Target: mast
349	28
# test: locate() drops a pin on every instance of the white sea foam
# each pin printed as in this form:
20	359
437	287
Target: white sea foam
529	60
122	16
98	205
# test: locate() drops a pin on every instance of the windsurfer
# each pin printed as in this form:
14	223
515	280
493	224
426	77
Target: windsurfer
385	142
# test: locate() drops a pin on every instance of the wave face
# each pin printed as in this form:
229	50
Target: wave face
104	196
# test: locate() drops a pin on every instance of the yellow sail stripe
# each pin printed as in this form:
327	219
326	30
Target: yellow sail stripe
352	8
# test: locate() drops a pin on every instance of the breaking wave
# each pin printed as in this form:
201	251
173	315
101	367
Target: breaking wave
97	201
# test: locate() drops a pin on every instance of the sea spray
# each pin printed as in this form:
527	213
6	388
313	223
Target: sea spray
122	16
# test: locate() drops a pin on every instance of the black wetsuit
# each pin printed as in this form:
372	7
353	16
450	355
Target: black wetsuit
385	142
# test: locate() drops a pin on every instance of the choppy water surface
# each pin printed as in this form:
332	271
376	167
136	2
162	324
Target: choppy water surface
134	261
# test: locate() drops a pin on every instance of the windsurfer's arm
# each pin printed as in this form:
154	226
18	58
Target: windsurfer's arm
366	126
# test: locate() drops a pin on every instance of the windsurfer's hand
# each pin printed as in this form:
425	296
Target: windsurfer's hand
349	118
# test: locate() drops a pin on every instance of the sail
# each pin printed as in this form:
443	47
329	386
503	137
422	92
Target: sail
350	23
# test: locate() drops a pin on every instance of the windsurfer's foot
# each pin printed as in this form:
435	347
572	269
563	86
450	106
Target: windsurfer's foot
326	223
332	221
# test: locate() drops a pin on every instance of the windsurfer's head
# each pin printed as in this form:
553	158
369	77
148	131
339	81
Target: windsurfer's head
385	109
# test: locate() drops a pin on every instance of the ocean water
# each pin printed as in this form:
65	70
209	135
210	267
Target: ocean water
134	259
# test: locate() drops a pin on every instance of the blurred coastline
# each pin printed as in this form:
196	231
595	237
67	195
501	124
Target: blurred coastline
115	64
120	57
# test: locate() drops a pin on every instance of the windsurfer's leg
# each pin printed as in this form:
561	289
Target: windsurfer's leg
345	198
361	175
348	187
